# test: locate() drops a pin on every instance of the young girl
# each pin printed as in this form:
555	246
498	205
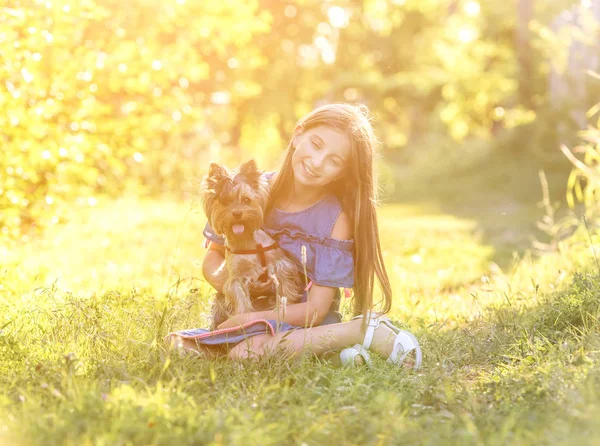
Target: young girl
321	210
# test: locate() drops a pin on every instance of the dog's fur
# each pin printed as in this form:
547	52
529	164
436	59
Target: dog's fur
238	199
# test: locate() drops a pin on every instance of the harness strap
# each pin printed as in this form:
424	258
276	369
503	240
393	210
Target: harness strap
260	250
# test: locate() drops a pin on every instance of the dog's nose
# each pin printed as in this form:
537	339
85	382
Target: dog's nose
237	215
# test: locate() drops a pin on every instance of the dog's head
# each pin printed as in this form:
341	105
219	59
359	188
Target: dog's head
234	201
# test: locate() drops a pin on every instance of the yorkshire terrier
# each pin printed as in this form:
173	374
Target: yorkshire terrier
234	203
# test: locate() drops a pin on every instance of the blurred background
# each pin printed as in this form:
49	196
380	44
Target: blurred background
104	98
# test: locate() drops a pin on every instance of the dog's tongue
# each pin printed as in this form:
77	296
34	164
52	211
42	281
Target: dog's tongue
238	229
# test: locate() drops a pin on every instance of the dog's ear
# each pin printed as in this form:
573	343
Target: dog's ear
248	167
250	173
216	174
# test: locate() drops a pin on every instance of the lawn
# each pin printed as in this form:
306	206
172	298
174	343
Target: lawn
510	339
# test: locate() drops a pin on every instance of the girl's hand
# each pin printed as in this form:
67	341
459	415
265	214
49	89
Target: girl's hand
234	321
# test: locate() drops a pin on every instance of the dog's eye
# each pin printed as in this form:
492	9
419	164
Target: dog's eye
245	200
225	201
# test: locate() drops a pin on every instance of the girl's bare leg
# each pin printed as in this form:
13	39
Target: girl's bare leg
319	340
177	341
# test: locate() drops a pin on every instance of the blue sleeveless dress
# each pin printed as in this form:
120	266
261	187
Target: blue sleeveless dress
329	263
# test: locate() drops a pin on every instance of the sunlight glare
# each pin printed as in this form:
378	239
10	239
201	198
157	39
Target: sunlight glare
416	258
472	8
467	34
328	55
100	59
232	63
27	76
220	97
337	17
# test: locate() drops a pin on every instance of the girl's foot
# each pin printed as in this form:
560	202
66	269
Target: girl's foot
386	340
383	344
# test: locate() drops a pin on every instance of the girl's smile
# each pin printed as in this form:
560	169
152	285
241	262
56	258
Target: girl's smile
309	171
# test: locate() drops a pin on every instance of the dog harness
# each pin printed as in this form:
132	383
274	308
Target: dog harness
260	250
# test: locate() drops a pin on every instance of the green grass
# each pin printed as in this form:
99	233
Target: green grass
510	349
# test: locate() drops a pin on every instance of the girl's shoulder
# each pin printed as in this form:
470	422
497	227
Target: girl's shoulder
321	238
271	177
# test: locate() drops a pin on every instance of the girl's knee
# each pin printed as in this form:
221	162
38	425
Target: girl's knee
238	353
249	349
173	340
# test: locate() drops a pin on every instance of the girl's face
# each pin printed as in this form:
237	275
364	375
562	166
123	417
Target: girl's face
321	155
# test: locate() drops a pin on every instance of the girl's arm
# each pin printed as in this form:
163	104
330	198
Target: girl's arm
213	260
311	312
320	298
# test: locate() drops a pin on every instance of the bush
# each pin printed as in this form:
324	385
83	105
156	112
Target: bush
96	91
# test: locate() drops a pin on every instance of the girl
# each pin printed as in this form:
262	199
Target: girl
322	208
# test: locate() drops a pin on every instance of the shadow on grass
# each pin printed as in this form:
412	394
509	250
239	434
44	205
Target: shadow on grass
501	193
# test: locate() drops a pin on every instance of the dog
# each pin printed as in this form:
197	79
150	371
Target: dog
234	203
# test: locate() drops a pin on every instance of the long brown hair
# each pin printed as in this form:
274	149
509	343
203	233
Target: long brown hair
358	193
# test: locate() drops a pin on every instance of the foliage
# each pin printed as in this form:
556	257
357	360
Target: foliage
96	91
103	98
584	181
